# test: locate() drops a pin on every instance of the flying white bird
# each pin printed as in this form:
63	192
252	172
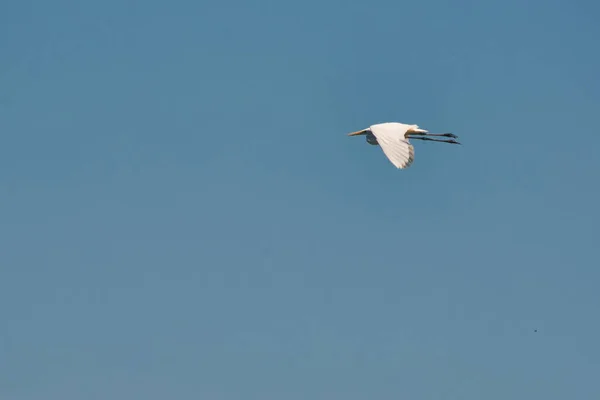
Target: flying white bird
393	139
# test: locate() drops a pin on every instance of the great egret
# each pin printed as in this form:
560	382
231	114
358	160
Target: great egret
393	139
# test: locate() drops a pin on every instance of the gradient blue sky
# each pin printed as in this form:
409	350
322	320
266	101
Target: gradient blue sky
182	214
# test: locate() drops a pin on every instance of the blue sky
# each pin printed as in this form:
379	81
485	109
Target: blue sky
182	214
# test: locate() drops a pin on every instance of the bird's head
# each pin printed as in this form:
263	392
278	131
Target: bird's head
371	139
361	132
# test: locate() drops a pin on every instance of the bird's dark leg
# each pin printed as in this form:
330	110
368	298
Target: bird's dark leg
451	135
434	140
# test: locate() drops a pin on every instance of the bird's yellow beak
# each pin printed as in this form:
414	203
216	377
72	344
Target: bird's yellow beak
357	133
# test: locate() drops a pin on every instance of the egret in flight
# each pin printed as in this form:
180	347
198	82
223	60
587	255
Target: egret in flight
393	139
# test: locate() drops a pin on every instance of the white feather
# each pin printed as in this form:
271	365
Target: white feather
396	147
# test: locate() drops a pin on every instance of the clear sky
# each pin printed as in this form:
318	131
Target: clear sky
183	216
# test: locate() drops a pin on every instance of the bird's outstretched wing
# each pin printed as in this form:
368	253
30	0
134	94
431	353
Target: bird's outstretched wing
395	146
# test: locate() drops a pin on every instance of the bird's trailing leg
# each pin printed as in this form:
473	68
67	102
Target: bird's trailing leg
434	140
423	132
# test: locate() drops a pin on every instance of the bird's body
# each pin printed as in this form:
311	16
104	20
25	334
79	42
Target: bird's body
393	139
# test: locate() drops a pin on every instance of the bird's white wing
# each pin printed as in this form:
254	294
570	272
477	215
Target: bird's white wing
395	146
